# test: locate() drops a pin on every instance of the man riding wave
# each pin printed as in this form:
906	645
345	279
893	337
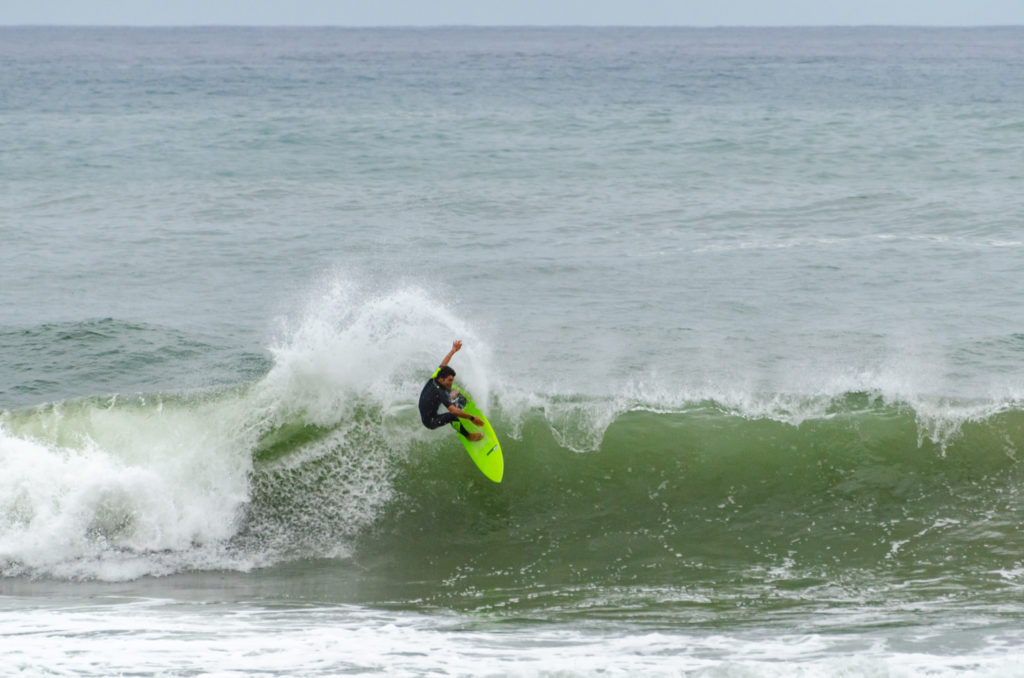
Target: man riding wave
439	405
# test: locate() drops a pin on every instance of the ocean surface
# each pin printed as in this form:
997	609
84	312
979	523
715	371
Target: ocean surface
746	307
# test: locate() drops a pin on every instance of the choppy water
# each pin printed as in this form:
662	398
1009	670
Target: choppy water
744	306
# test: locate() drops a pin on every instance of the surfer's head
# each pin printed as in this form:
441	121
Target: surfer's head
445	376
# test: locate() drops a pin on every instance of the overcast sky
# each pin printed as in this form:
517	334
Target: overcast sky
513	12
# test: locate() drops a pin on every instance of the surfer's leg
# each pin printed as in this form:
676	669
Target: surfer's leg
439	420
449	418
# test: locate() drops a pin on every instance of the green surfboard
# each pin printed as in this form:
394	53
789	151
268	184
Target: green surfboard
486	452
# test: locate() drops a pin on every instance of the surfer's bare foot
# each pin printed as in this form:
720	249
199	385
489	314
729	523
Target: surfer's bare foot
473	437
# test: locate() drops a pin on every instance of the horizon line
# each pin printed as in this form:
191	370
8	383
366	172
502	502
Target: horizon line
503	26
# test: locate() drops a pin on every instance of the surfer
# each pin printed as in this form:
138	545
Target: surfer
438	407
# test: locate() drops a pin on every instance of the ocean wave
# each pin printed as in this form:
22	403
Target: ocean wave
123	487
323	456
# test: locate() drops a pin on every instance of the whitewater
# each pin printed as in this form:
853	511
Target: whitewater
743	306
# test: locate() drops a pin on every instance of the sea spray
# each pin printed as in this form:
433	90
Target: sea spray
339	412
350	344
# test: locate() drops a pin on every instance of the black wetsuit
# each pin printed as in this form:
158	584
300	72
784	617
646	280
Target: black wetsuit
434	402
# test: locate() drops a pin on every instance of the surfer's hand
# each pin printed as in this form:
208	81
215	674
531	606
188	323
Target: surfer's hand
456	345
477	420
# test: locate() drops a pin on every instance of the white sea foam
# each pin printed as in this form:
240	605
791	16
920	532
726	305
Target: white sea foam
109	492
169	637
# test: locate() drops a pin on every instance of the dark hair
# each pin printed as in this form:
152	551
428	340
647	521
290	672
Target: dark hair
445	372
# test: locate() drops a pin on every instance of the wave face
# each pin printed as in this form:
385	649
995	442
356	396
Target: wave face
324	456
706	503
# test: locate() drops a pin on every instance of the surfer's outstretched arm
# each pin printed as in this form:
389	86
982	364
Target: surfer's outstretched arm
456	345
